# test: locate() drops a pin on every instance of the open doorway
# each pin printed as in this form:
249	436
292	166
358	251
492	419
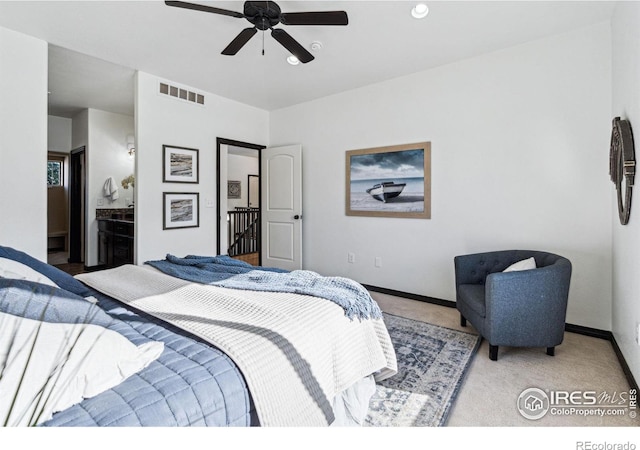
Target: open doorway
91	109
65	210
239	199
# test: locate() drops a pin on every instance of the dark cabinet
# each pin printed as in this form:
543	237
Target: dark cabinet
105	253
115	242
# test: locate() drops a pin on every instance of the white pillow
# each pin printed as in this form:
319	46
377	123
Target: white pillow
16	270
69	362
525	264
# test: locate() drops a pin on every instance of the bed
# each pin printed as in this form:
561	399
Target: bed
180	343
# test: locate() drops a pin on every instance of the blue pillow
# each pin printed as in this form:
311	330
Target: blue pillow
46	303
62	279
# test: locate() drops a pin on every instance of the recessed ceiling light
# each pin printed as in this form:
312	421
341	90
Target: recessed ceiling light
293	60
420	11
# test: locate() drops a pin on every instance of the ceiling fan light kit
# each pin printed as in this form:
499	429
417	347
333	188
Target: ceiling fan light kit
266	15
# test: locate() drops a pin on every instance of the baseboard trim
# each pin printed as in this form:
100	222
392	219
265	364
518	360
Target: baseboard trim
420	298
571	328
623	362
586	331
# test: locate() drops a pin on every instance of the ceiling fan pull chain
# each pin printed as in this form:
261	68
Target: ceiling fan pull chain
262	42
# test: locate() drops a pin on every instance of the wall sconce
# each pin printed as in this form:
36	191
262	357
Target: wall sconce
131	145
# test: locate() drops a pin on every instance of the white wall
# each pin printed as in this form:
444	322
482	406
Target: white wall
107	156
165	120
59	134
23	143
626	239
519	142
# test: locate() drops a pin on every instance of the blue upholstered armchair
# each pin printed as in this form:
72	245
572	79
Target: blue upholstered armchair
521	308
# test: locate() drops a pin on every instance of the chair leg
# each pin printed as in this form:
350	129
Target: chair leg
493	352
551	351
463	321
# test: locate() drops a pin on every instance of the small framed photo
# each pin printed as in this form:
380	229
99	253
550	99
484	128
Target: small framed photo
181	210
234	189
180	164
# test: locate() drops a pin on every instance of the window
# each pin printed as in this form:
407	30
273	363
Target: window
54	173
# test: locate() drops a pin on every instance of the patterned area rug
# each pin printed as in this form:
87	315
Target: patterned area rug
432	362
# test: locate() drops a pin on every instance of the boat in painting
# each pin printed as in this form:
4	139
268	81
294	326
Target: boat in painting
385	191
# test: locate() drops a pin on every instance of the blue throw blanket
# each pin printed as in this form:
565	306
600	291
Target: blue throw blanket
230	273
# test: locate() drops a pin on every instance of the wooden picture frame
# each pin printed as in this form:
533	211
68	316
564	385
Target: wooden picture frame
392	181
180	164
180	210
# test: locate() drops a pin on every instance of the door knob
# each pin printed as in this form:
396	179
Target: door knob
296	217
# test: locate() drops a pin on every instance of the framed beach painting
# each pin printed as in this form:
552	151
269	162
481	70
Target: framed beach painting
180	210
180	164
390	181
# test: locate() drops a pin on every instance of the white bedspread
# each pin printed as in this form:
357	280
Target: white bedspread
296	352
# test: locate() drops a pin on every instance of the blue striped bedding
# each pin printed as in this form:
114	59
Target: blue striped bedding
190	384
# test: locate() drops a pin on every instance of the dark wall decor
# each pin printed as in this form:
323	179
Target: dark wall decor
180	210
180	164
234	189
622	165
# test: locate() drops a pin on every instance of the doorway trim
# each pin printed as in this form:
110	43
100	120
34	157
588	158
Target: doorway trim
77	205
223	141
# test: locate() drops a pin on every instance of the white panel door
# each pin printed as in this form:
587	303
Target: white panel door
282	207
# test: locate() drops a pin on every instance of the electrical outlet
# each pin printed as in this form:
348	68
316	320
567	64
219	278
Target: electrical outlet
378	261
100	202
351	258
638	333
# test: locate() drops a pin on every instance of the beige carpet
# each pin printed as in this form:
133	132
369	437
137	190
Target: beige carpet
489	394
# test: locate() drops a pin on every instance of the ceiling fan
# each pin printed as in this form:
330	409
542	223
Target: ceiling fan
266	15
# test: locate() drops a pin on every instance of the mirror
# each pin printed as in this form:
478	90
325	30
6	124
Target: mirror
622	165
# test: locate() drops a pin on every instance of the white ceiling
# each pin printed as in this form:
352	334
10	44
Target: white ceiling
382	41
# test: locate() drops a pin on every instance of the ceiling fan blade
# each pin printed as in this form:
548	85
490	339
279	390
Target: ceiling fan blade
292	45
315	18
210	9
239	41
